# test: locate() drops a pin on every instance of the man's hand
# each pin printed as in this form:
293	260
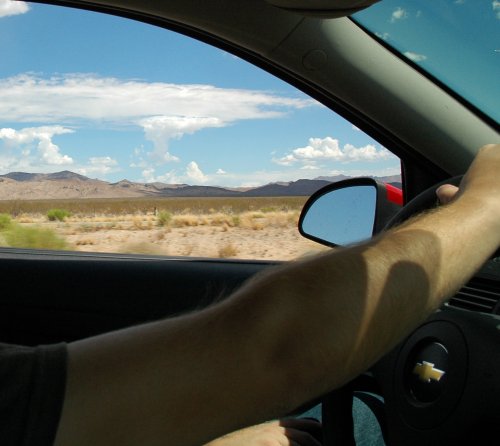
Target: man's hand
286	432
482	180
446	193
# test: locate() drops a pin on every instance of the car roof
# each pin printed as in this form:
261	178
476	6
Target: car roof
336	62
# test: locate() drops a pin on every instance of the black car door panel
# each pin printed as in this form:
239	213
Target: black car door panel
53	297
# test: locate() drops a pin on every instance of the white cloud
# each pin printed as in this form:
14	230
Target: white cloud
194	173
28	135
496	8
164	111
46	153
77	98
171	177
329	149
398	14
383	36
137	158
9	7
148	175
100	165
382	172
51	155
261	177
161	129
414	56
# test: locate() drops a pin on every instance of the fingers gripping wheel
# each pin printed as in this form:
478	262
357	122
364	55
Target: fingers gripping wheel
426	200
422	202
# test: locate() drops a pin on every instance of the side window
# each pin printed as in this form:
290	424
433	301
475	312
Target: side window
134	139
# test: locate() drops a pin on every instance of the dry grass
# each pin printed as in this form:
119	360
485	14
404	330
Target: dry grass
85	242
227	251
255	228
185	220
142	248
146	206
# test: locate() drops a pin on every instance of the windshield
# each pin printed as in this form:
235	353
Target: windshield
456	41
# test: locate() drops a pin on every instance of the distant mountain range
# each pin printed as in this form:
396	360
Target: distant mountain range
67	185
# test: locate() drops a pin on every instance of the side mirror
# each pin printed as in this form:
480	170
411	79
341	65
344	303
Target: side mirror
349	211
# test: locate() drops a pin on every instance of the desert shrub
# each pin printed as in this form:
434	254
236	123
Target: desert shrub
86	227
160	236
142	248
5	222
221	219
257	226
26	218
34	238
57	214
184	220
84	242
257	215
236	220
137	223
268	209
228	250
164	218
252	220
283	219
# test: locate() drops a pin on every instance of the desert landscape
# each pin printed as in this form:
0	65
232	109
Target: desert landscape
65	210
244	228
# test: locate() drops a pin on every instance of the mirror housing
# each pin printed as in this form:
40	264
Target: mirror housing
349	211
323	8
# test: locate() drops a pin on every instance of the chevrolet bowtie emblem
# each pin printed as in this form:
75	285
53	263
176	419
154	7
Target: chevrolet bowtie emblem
427	373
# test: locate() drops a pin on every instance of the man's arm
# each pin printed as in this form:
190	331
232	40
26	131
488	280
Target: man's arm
287	336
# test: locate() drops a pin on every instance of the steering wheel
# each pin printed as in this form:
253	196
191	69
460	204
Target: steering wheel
441	385
423	201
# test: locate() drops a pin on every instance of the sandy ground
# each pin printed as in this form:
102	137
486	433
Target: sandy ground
263	242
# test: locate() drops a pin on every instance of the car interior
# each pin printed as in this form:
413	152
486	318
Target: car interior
316	46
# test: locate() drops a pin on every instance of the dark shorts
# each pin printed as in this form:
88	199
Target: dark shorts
32	384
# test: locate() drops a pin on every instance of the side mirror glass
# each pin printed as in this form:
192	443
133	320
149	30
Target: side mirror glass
347	212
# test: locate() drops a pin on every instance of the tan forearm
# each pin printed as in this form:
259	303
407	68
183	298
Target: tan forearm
286	337
359	302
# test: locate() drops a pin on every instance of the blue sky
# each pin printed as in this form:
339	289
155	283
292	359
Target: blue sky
458	41
111	98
